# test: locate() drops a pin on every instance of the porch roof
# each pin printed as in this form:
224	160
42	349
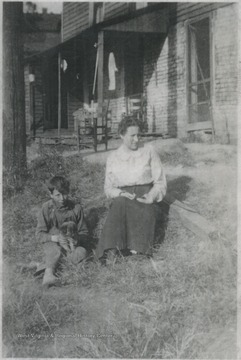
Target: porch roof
152	22
152	19
66	46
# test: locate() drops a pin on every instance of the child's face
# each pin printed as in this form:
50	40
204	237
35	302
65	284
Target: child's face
59	197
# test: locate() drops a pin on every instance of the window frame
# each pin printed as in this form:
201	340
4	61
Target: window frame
93	8
141	5
201	125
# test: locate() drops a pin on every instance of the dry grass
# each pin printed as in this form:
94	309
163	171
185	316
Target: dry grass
166	307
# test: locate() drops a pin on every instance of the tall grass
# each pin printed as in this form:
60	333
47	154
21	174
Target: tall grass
165	307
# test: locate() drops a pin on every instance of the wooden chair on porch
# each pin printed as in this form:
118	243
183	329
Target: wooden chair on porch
84	134
136	106
92	131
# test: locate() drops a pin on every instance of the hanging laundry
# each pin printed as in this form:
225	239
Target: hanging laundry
64	65
112	70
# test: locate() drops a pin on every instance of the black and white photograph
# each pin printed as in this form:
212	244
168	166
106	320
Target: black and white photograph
120	192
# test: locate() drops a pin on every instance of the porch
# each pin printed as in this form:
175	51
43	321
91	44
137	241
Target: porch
99	72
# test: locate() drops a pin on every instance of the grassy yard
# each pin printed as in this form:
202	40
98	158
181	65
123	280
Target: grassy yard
180	304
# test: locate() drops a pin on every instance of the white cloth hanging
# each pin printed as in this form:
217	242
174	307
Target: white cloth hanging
112	70
64	65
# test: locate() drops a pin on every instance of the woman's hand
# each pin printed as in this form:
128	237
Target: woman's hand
145	199
128	195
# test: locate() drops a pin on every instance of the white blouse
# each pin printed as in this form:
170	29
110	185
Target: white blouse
139	167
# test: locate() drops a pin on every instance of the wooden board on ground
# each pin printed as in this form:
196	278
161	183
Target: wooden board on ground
192	220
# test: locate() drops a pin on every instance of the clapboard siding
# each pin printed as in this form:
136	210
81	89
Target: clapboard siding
113	9
38	115
76	15
27	98
75	18
184	7
184	11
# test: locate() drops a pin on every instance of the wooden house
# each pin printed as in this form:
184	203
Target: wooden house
173	64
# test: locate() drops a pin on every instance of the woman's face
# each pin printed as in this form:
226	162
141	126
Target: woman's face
131	138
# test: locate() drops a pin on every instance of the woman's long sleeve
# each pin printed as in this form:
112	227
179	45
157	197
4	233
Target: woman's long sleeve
111	189
158	191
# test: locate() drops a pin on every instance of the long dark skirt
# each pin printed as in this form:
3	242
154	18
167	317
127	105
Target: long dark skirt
129	224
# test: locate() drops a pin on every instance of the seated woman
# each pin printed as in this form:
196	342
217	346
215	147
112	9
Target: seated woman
136	182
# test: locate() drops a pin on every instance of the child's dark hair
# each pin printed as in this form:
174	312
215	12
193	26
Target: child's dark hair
59	183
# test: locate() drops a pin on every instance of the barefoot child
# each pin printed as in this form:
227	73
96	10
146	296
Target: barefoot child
61	228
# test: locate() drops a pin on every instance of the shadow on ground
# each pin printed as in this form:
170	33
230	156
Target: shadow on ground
95	220
177	189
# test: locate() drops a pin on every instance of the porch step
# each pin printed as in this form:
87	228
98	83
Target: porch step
54	140
66	140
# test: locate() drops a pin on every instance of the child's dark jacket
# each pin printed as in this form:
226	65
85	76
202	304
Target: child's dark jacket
51	218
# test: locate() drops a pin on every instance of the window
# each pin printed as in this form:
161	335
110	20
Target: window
96	12
140	5
199	73
137	5
99	12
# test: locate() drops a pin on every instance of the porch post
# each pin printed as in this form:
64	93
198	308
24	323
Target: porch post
59	93
31	100
32	107
100	77
85	73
